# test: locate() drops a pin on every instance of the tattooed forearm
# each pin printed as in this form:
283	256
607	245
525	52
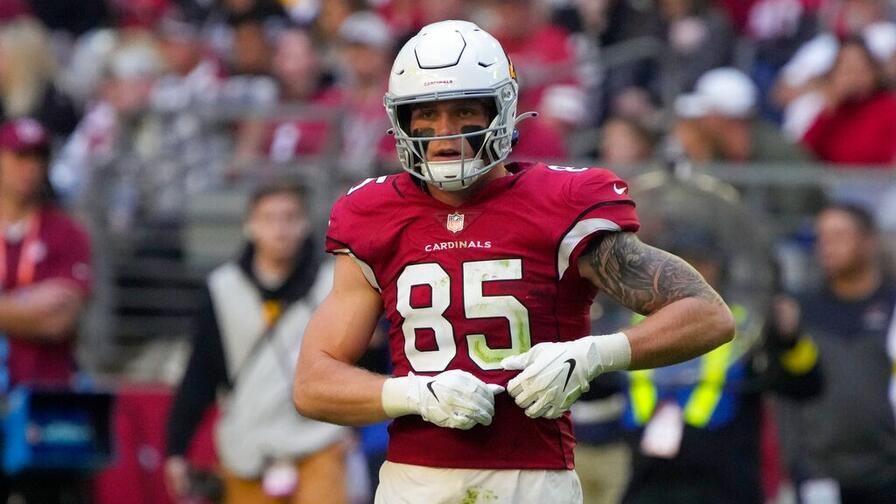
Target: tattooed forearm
641	277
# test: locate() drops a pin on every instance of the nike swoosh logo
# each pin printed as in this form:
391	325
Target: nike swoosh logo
619	190
433	392
572	365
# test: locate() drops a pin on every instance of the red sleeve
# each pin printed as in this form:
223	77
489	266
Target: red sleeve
337	228
599	202
351	229
355	217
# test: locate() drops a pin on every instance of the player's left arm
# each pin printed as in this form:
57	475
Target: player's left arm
685	316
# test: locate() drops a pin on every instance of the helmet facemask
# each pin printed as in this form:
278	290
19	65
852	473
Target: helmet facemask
490	144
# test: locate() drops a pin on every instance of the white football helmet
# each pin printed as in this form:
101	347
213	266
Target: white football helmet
452	60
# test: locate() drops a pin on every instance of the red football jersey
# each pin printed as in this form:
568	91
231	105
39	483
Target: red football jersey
463	287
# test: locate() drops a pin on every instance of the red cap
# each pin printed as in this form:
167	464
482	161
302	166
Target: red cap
23	135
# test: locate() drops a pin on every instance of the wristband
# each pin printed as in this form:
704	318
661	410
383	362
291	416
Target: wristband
614	351
394	396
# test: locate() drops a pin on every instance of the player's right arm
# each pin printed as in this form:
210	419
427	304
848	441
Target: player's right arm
329	387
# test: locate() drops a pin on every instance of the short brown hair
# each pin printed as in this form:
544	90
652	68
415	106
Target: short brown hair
860	215
265	189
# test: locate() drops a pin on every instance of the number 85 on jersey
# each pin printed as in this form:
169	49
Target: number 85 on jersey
476	305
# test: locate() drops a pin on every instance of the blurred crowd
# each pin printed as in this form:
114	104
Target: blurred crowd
143	104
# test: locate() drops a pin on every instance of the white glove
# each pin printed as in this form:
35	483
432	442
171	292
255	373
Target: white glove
454	399
556	374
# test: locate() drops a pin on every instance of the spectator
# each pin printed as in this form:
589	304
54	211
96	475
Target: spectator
857	123
109	143
86	64
46	280
247	339
365	50
190	105
698	38
250	28
718	122
799	90
331	16
251	48
697	425
625	142
614	25
27	78
50	256
841	447
545	57
775	30
185	51
542	53
302	81
847	18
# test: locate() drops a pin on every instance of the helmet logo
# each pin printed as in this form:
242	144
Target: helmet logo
512	70
455	222
444	81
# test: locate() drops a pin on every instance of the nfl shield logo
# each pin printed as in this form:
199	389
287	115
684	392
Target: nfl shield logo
455	222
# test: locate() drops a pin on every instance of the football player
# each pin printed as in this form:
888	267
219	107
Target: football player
486	271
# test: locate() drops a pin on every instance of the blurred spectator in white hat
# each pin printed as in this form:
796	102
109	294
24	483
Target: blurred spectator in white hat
115	126
718	122
87	64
